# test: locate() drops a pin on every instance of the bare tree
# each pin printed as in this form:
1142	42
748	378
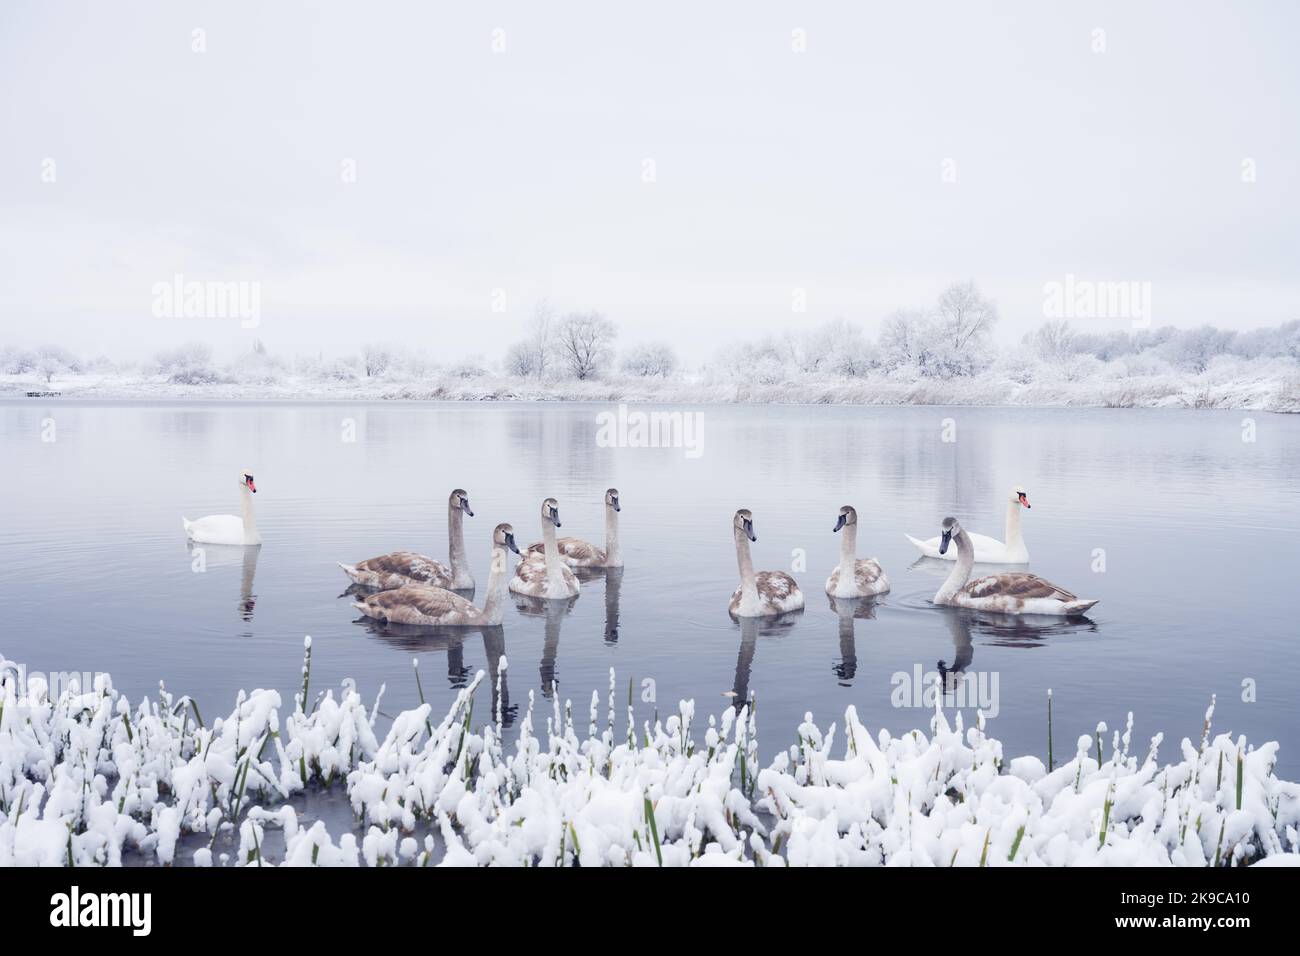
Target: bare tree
964	316
586	342
541	338
376	359
1052	340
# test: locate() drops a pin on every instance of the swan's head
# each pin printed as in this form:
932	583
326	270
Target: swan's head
951	529
1019	496
503	536
744	523
460	500
611	499
848	516
551	512
246	479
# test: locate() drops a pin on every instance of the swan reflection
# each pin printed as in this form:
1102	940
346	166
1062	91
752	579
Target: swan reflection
419	639
848	610
208	557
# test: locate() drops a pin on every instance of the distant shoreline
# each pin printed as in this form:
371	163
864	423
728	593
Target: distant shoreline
1161	392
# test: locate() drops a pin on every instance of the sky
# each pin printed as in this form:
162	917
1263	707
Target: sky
423	174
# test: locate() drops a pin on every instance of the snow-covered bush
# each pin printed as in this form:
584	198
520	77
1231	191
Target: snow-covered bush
87	779
190	364
472	367
650	360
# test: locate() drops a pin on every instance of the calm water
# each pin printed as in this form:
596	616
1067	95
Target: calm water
1199	532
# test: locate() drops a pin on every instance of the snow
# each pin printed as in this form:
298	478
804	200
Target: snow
89	779
1263	384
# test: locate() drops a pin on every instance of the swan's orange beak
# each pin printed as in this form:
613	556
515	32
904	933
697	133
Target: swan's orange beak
1024	500
252	487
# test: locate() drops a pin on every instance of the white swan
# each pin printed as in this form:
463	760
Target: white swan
1013	592
766	593
854	577
577	553
438	607
991	550
400	569
545	575
228	529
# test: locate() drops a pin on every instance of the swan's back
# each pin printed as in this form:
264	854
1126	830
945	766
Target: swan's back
418	605
778	593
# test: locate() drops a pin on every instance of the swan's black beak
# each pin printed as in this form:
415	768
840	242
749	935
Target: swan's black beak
555	517
749	530
1024	500
838	524
614	502
510	543
464	506
943	542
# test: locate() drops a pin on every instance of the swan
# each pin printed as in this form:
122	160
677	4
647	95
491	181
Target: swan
434	606
545	575
401	569
1013	592
577	553
991	550
766	593
227	529
854	577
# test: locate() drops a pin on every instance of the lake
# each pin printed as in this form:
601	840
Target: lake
1183	523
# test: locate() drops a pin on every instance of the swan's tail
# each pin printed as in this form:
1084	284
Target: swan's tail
1079	607
361	606
349	569
185	523
920	545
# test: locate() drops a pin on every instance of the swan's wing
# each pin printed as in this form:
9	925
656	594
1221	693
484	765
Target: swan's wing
982	542
1017	584
417	567
532	569
583	552
779	590
868	572
424	601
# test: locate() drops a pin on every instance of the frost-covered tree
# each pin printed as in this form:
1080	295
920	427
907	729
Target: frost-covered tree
190	364
959	331
1051	341
654	359
1193	349
521	361
376	360
837	347
586	343
902	337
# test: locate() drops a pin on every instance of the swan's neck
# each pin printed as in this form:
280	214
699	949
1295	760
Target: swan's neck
554	567
496	587
1013	539
613	556
960	572
246	508
849	552
460	576
748	580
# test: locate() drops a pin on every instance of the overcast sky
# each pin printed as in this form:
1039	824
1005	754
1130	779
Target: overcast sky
524	169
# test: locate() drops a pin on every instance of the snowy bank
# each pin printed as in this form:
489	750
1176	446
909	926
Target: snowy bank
87	779
1260	385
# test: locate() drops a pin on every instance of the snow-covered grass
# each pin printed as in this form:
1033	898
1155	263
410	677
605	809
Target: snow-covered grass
1258	384
87	779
